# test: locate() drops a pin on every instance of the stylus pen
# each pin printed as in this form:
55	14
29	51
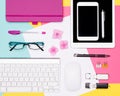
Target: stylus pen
103	25
92	55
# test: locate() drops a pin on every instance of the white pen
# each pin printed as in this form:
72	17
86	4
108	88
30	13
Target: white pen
102	23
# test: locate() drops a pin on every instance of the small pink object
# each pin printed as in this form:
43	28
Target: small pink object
64	44
53	50
14	32
43	33
57	34
34	23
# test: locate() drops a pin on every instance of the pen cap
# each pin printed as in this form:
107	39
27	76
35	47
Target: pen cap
14	32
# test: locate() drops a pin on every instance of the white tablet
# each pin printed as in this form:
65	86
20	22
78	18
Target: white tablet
87	24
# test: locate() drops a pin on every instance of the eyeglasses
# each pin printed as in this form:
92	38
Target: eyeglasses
31	45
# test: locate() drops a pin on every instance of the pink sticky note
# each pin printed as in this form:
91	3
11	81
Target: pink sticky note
57	34
53	50
64	44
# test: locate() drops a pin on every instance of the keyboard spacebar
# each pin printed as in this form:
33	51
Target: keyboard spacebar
19	89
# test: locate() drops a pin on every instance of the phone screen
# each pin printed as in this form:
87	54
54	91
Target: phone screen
87	21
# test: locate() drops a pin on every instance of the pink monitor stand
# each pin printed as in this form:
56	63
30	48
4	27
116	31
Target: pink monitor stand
34	10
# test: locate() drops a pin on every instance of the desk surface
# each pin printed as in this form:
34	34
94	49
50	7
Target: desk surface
63	53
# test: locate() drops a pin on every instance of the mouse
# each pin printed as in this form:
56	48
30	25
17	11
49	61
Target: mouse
73	76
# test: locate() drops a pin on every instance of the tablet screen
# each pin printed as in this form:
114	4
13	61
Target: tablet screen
87	21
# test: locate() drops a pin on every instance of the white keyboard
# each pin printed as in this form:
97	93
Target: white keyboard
29	75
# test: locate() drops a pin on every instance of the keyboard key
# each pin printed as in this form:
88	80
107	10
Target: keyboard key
47	79
35	89
24	83
9	84
40	89
4	74
41	79
34	84
20	74
3	84
30	74
44	84
51	74
37	79
16	79
14	74
21	79
10	74
11	79
31	79
19	89
25	74
1	69
14	84
51	90
39	84
35	74
26	79
52	79
5	79
45	74
1	79
29	84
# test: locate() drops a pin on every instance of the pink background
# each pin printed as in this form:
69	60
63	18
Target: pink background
114	61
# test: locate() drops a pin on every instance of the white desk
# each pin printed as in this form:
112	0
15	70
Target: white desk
66	55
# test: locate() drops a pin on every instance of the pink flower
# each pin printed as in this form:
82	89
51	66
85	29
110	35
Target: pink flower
53	50
64	44
57	34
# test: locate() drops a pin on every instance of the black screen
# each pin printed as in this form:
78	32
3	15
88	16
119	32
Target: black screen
105	5
87	21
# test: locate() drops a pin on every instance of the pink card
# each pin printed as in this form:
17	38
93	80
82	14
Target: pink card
34	10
